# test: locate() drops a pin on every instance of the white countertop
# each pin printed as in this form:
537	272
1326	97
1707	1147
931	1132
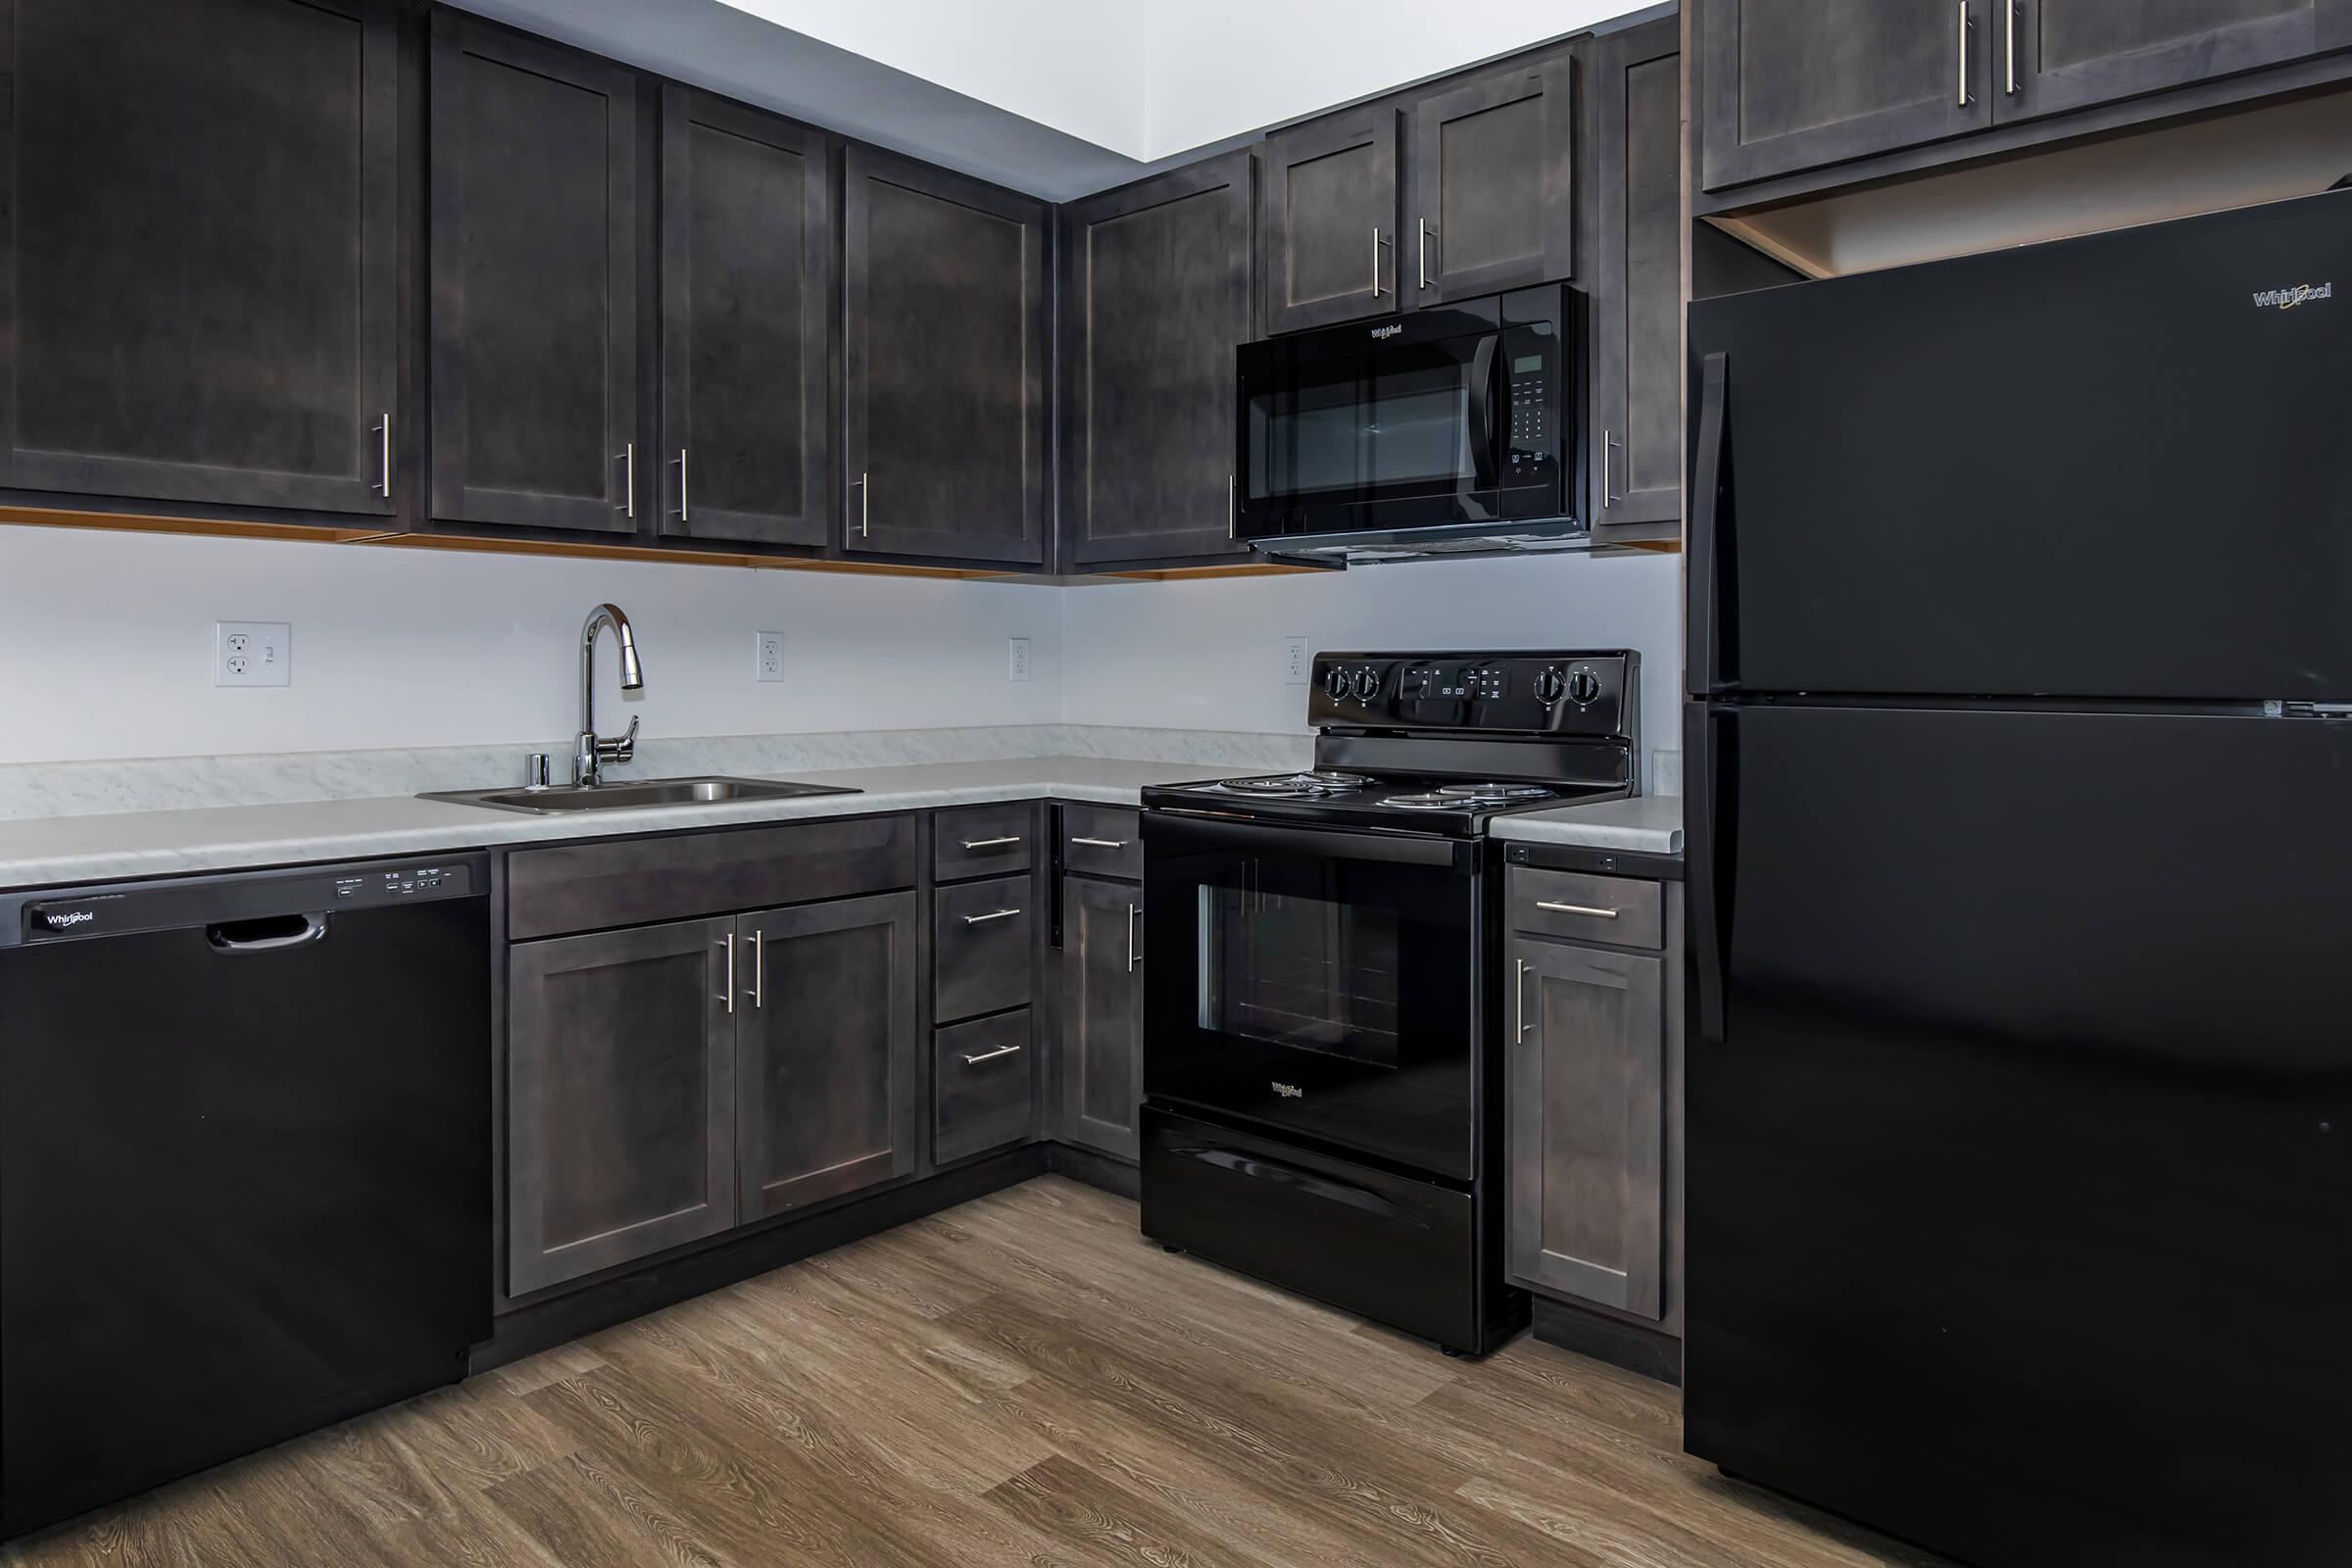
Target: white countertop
37	852
1651	824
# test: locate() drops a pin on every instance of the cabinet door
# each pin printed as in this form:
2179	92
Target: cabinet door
1100	1070
534	174
1492	204
203	204
620	1098
1587	1114
1327	219
747	325
2056	54
1635	429
830	1073
1155	299
1795	84
945	349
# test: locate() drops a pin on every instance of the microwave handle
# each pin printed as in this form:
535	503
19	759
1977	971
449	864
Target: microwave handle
1482	365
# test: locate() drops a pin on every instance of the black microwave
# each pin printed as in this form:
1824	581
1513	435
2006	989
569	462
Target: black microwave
1448	431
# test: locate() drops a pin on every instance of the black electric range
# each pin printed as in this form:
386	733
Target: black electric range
1321	1031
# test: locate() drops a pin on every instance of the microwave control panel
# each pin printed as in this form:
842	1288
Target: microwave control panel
1594	694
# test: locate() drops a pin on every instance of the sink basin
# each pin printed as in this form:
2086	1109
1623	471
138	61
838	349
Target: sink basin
634	793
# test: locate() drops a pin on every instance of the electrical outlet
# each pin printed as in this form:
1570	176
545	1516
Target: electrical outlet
1294	663
767	656
1016	659
252	653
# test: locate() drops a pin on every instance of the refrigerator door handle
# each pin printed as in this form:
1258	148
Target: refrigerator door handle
1706	521
1708	744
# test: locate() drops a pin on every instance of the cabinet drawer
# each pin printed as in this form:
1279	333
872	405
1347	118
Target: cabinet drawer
983	841
587	887
983	1077
1614	909
984	941
1102	841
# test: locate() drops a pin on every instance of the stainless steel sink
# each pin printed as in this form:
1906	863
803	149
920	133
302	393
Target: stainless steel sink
633	793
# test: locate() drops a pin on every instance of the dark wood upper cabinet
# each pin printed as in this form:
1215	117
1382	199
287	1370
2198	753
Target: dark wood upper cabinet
1634	419
1797	85
748	242
2050	56
1100	1070
1491	204
533	180
1155	299
202	209
944	396
1327	219
620	1098
829	1079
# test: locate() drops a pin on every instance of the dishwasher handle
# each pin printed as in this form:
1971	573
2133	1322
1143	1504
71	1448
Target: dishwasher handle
270	933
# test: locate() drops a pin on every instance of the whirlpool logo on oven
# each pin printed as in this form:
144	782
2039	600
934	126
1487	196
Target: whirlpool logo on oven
2286	299
67	919
1288	1090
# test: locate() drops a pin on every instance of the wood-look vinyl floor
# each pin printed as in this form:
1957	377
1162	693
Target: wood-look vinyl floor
1020	1379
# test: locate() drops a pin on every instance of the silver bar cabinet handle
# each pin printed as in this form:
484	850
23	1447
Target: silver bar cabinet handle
991	844
1377	243
1608	469
1968	24
864	496
384	458
1133	910
994	915
682	513
1519	1000
759	968
2009	19
1101	844
626	457
1422	225
1578	909
971	1060
727	992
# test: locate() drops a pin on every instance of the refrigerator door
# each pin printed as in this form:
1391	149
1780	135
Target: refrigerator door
2103	467
2020	1128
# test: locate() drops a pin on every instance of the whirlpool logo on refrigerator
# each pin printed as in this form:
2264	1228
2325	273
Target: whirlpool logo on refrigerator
2286	299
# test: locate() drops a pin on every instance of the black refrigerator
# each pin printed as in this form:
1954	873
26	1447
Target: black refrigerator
2020	827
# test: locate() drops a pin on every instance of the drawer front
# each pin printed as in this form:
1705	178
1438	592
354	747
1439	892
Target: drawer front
1615	910
983	943
590	887
983	1086
1102	841
983	841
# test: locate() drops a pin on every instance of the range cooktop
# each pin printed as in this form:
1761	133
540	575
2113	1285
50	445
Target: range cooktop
1423	803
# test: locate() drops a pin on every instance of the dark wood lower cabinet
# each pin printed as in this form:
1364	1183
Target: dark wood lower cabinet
1100	1075
620	1098
828	1072
1586	1084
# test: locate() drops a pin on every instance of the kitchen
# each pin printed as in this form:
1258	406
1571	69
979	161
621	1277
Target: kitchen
772	797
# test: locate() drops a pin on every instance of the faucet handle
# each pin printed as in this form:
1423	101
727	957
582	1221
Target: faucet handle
621	749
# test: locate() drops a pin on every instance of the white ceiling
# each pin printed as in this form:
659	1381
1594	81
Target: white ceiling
1055	97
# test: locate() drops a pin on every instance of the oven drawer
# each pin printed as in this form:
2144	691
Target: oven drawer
983	840
983	947
1102	841
1615	910
981	1076
1401	1251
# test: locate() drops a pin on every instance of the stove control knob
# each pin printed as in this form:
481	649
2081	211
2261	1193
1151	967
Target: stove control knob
1367	684
1550	684
1584	686
1336	684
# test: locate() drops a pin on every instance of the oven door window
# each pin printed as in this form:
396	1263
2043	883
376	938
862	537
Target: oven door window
1298	969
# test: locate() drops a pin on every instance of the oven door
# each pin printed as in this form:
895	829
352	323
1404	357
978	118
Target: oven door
1315	981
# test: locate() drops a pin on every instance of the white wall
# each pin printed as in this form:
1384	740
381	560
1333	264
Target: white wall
1208	653
109	643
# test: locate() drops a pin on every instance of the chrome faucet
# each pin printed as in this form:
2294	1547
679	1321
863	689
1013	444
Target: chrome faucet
590	752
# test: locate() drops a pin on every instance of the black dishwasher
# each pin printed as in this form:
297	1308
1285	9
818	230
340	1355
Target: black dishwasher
244	1164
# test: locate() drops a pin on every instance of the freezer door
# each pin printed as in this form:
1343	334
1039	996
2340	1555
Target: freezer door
2105	467
2020	1128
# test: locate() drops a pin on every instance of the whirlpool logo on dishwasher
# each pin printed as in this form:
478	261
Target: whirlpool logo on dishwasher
2286	299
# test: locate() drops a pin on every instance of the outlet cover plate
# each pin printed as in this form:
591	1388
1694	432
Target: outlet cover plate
253	653
767	656
1016	659
1295	661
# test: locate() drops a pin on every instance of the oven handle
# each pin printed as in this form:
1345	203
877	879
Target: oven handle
1178	832
1282	1174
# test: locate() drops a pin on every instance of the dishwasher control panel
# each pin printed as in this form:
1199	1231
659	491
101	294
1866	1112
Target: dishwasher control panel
209	902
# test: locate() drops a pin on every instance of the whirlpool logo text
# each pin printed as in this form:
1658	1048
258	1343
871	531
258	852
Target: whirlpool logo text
2286	299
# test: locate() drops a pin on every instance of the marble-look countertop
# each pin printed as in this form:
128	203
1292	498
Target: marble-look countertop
1651	824
40	851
